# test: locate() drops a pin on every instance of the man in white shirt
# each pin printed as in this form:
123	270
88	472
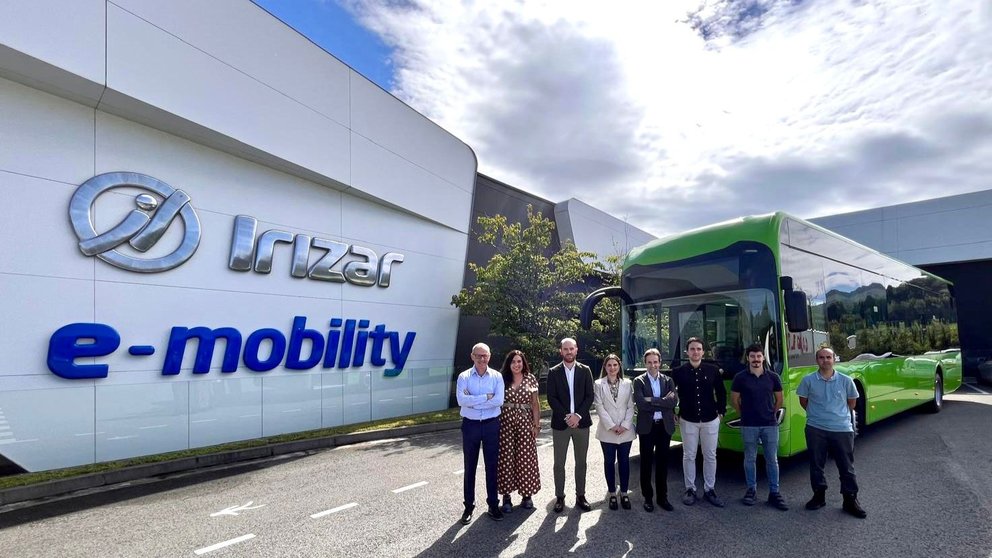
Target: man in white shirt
570	395
479	391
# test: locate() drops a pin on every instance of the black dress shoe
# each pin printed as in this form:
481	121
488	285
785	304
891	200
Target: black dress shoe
648	506
624	502
495	513
467	516
582	503
664	504
559	505
613	502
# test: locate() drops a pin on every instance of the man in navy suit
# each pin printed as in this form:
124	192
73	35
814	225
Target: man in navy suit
570	394
655	398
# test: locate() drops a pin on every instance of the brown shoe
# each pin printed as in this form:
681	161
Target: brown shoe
853	507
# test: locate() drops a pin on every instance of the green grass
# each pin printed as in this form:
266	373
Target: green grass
385	424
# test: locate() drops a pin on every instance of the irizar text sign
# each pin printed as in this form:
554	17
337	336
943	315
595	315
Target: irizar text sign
346	343
160	204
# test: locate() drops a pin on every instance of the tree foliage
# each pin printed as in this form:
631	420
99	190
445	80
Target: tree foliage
603	337
530	294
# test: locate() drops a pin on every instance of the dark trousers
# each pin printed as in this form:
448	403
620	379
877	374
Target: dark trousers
613	455
840	446
654	454
486	434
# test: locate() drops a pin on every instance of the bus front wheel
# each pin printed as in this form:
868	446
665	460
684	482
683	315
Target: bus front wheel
937	403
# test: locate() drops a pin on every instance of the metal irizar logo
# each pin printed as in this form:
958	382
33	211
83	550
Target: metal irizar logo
143	226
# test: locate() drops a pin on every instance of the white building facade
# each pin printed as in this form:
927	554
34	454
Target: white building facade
180	176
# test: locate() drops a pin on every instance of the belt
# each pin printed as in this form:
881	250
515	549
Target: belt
659	421
480	421
517	406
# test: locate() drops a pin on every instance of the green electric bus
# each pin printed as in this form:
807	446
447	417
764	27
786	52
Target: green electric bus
792	287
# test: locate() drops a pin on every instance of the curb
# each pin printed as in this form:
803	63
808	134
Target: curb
62	487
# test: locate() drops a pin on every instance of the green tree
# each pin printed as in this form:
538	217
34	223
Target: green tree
531	295
603	337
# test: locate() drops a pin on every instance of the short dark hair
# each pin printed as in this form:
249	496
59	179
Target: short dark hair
754	348
692	340
652	351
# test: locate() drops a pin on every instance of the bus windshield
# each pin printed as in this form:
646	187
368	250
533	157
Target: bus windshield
727	322
727	298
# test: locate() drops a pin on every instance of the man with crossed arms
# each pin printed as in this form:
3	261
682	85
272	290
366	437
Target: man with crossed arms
480	393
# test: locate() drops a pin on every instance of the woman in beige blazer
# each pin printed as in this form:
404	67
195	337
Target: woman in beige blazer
613	396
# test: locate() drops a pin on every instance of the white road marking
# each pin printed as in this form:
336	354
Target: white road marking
378	442
334	510
233	510
976	388
202	420
128	437
220	545
293	411
153	426
458	472
410	487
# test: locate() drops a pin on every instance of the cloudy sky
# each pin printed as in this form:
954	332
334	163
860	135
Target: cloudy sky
680	113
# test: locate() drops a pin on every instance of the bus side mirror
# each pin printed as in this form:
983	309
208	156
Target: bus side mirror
586	314
796	307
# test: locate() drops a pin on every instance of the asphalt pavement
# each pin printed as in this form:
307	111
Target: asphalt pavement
926	481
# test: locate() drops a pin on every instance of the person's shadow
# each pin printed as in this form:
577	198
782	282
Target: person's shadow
491	537
486	537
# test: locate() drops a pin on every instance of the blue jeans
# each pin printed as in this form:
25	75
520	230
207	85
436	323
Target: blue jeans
768	436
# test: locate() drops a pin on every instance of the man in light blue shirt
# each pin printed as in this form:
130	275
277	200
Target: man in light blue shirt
479	391
828	398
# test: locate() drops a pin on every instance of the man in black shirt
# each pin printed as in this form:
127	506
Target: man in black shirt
702	404
756	393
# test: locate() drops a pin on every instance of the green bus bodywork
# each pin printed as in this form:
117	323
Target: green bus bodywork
731	272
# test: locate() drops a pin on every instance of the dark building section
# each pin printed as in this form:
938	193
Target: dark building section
492	197
974	307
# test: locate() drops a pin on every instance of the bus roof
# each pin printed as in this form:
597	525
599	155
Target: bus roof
765	229
759	228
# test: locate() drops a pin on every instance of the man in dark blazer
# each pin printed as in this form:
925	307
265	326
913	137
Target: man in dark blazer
570	394
655	399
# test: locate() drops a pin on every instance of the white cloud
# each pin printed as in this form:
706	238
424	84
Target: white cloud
690	112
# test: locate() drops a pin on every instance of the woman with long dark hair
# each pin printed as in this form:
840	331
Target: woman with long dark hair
614	400
520	422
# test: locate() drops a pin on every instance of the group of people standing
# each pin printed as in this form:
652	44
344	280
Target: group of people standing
644	408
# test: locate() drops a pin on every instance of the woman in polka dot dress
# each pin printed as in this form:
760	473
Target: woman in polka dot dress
519	424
